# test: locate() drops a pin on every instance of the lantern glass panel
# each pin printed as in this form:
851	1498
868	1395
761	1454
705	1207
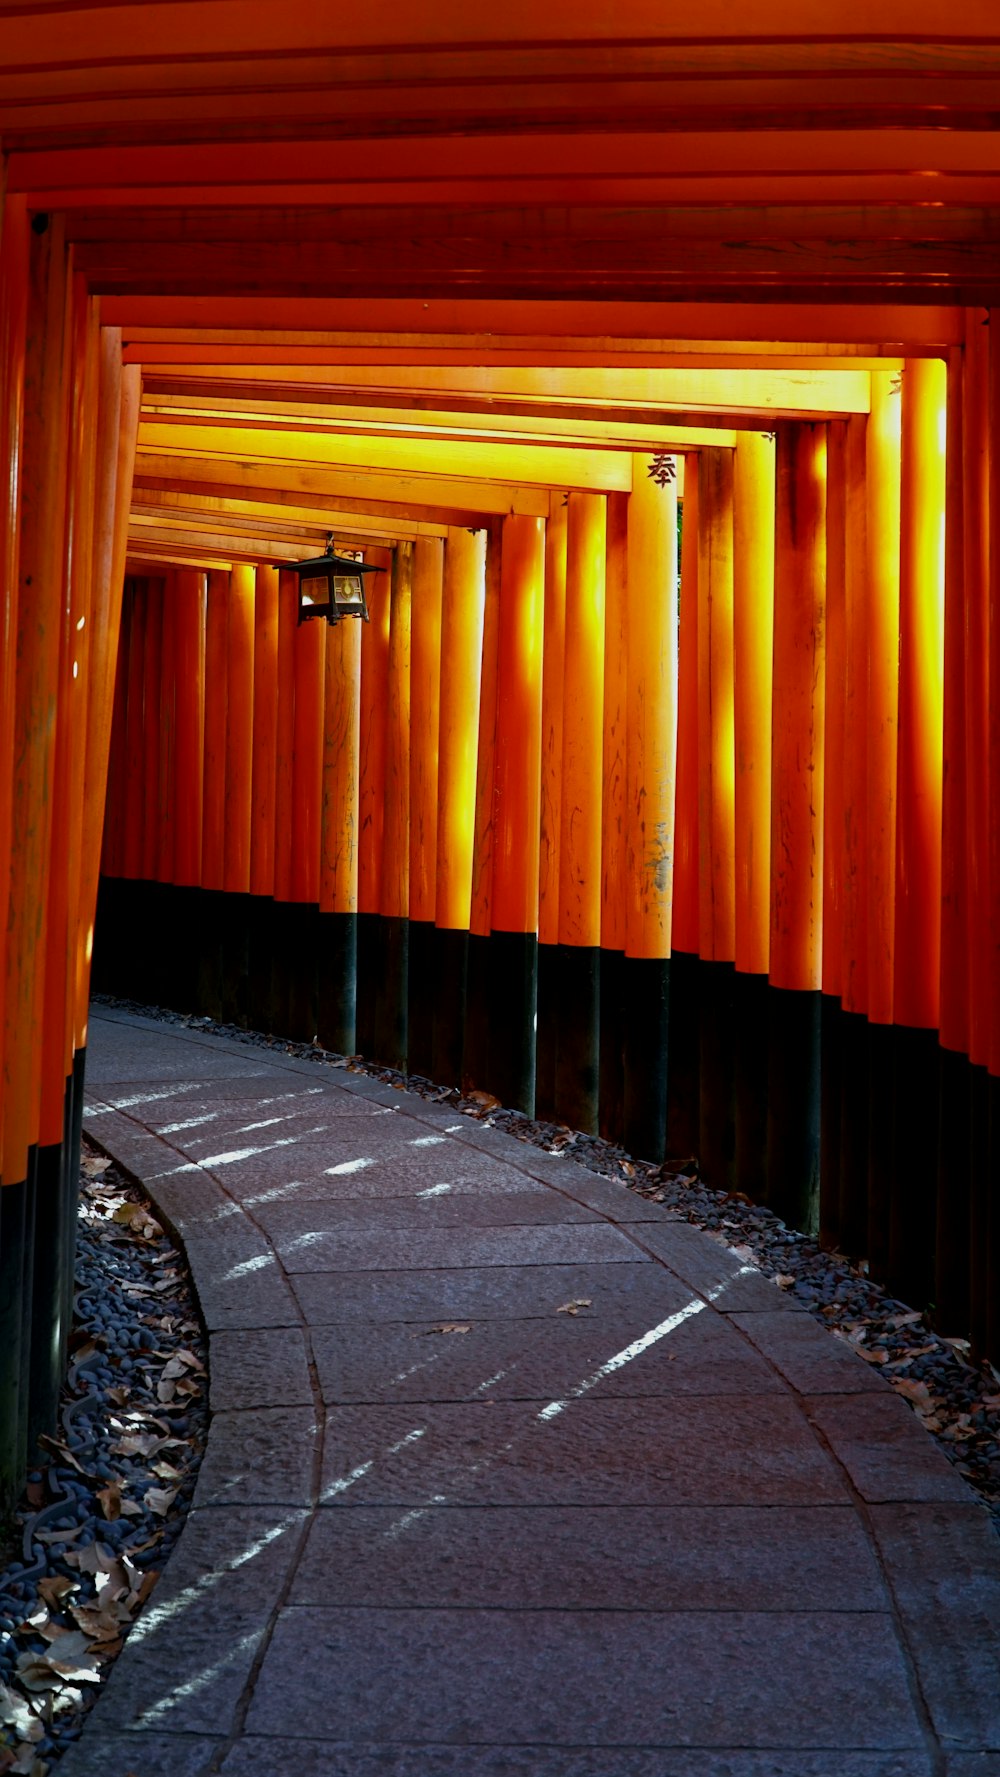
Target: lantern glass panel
314	593
348	592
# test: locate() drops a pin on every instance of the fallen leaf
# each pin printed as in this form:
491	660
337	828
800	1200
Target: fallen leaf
905	1320
917	1392
16	1712
874	1356
447	1326
484	1100
784	1279
160	1499
574	1307
110	1498
94	1165
55	1588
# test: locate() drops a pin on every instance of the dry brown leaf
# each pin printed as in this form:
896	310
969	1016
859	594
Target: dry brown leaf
159	1500
94	1165
784	1279
574	1307
447	1326
917	1392
485	1101
872	1357
55	1588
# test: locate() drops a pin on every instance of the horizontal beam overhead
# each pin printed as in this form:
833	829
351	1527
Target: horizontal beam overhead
370	489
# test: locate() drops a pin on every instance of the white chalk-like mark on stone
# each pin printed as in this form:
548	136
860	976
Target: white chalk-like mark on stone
426	1141
626	1356
346	1166
434	1191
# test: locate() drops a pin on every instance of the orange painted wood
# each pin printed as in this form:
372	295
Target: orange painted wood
652	713
288	612
152	728
213	831
954	978
883	483
190	594
613	786
978	458
917	954
41	600
166	799
374	697
854	840
309	655
265	731
239	730
798	707
519	726
133	827
833	734
13	324
716	734
685	920
425	716
553	676
580	811
112	858
396	820
991	936
462	614
753	648
338	872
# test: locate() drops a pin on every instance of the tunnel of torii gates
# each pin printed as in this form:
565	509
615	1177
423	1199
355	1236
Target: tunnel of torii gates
659	795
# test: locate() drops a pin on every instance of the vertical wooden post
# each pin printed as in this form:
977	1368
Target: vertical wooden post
165	797
577	1062
263	768
13	325
190	600
214	794
514	940
991	936
832	941
797	823
274	991
338	870
476	1045
301	916
753	647
613	792
391	1032
716	818
652	754
425	700
852	1214
135	736
239	782
917	940
553	672
461	667
683	1094
152	676
374	696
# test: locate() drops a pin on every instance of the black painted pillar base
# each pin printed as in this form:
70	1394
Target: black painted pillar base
952	1277
391	1007
47	1330
15	1223
982	1192
993	1229
72	1173
512	1010
793	1069
212	927
451	964
421	991
578	1035
913	1180
337	982
546	1034
852	1214
646	1021
478	1013
236	959
260	949
683	1059
370	965
830	1103
881	1080
716	1049
611	1085
301	951
750	1046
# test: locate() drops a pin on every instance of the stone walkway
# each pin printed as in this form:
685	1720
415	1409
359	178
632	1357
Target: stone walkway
446	1527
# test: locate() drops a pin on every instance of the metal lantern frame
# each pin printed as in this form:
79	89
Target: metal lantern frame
332	586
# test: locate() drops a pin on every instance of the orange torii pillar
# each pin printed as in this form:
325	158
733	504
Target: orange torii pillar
274	973
239	779
846	1146
883	515
684	1037
577	1020
990	937
951	1242
213	832
462	612
649	809
716	818
299	915
371	794
917	950
37	266
477	1027
391	998
796	824
425	709
753	651
834	860
514	914
263	776
337	984
189	593
611	1107
553	673
979	508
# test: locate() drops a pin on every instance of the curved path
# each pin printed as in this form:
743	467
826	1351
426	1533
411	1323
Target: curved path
446	1527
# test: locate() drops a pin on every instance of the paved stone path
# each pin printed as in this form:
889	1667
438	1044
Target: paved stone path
445	1528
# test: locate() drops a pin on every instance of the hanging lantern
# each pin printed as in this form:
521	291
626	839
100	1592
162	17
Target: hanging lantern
332	586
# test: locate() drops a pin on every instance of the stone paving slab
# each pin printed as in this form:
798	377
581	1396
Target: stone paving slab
260	1757
687	1451
591	1557
486	1292
519	1360
347	1249
623	1572
390	1677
